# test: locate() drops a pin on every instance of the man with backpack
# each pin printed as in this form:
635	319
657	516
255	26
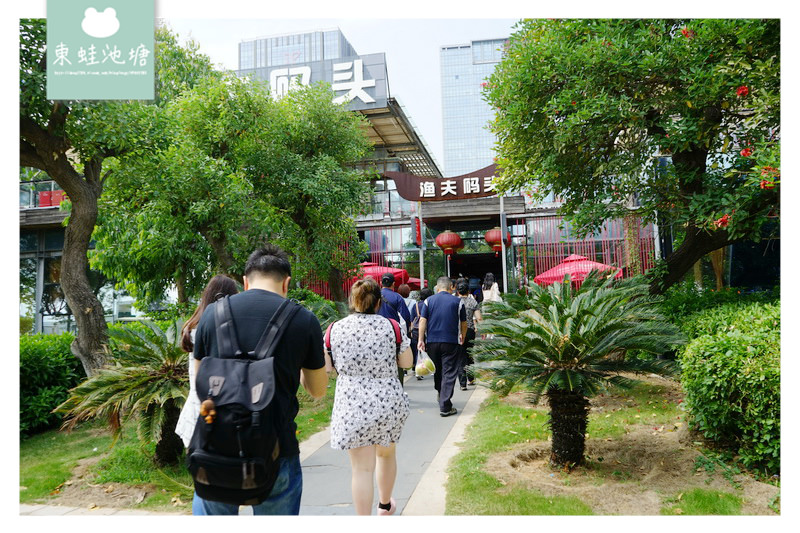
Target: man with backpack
252	350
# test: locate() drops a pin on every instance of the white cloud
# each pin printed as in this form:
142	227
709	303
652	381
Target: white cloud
100	25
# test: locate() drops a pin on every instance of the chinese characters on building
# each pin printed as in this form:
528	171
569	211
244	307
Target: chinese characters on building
347	76
457	188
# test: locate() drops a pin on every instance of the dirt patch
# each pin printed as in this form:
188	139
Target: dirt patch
82	491
630	475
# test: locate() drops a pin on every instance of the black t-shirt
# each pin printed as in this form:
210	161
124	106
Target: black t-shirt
300	347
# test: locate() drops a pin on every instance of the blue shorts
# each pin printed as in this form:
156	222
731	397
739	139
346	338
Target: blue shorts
283	500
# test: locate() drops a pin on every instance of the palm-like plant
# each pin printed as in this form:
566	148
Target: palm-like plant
569	344
145	380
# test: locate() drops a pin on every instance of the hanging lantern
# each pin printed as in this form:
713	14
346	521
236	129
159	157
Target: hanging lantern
449	242
495	239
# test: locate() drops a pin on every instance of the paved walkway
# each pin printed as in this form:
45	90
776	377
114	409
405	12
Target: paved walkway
423	453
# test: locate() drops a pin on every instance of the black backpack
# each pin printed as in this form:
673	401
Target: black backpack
233	454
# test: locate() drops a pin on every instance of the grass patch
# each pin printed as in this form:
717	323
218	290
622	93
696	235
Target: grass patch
470	491
47	459
643	405
703	502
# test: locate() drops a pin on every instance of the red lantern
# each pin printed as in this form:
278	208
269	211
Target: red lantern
494	237
449	242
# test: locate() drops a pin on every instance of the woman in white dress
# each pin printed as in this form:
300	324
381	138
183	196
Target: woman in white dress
218	287
491	292
370	406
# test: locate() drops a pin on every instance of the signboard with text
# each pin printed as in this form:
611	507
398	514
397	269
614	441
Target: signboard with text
359	81
478	184
100	51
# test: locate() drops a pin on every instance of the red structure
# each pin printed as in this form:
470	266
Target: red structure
577	267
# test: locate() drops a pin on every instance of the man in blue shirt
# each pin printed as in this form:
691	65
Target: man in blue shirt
394	306
442	327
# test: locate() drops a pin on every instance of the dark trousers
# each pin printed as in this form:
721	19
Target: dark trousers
466	359
414	341
445	356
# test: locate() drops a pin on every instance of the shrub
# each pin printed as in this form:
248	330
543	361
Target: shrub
732	385
745	318
47	370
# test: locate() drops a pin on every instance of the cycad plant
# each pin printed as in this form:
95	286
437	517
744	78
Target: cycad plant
569	344
145	380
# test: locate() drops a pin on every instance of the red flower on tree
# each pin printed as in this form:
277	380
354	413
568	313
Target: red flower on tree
689	34
746	152
723	221
742	91
766	184
484	84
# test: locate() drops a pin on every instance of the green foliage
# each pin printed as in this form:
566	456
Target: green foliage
583	106
732	383
557	337
683	300
47	370
146	375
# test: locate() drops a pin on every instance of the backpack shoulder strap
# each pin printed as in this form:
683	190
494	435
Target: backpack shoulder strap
275	328
398	337
227	344
328	336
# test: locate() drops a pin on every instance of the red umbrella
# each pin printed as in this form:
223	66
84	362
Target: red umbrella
577	266
414	283
376	271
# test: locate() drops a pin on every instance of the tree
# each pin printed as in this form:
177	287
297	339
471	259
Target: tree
240	168
146	381
569	344
680	115
71	141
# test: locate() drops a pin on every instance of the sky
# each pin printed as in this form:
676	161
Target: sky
411	46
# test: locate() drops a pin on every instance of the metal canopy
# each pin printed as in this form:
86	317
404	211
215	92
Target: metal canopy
389	128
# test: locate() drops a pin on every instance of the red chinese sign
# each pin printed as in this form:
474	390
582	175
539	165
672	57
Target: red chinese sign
476	184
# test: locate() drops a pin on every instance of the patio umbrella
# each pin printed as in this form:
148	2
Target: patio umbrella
577	266
376	271
414	283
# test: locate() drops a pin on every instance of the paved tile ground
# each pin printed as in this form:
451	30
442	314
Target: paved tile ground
425	448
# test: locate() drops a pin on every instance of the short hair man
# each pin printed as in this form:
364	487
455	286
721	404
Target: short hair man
445	323
299	360
394	306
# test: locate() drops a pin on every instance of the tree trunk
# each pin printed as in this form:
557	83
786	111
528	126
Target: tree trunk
569	414
717	263
697	270
224	258
90	344
335	282
46	149
180	286
170	446
698	242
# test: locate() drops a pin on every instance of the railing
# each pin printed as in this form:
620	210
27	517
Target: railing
35	194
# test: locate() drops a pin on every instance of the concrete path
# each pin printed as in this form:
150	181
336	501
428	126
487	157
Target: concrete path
427	444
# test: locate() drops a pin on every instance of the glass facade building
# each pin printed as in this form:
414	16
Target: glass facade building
468	143
299	48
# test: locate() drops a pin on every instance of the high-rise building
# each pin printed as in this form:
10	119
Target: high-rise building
293	49
468	143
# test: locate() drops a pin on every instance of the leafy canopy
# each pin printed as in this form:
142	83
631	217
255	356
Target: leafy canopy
584	106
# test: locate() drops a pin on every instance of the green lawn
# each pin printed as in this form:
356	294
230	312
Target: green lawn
499	426
48	459
703	502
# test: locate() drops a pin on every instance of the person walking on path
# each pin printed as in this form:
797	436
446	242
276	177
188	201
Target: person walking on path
469	304
219	286
491	291
370	406
415	316
298	359
394	307
442	327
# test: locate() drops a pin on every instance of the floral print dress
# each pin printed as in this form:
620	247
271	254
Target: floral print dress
370	406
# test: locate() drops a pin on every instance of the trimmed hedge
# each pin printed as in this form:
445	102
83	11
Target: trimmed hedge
47	370
731	377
